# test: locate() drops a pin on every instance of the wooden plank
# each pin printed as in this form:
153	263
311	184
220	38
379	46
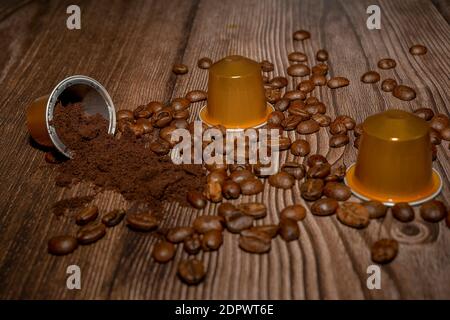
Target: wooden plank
136	44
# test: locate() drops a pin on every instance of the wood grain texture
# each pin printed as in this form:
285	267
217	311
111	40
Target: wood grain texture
130	48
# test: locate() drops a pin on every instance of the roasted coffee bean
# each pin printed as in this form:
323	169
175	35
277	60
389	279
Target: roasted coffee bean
142	222
337	82
296	170
113	218
388	85
217	176
204	63
403	212
273	95
161	119
179	234
241	175
91	233
338	127
255	244
212	240
138	130
196	199
297	57
251	186
311	100
339	140
255	210
435	136
316	159
370	77
146	125
266	66
445	134
155	106
196	95
294	95
86	215
338	191
439	122
271	230
231	190
297	108
166	135
403	92
353	215
289	230
237	222
298	70
203	224
358	130
180	69
295	212
269	127
316	108
142	112
384	251
308	127
213	192
123	125
192	244
320	69
387	63
300	148
433	211
322	55
319	171
62	245
375	208
191	271
275	117
259	233
262	170
283	143
163	252
291	122
347	121
301	35
240	166
127	115
306	86
324	207
337	174
160	147
312	189
282	105
418	50
179	104
183	114
227	209
322	119
318	80
282	180
278	82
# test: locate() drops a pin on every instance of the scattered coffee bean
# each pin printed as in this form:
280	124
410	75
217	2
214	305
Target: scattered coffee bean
127	115
320	69
297	57
271	230
300	148
86	215
266	66
142	222
338	127
163	252
316	159
255	210
312	189
179	234
231	190
196	95
322	119
179	104
237	222
162	119
273	95
275	117
196	199
318	79
180	69
282	180
91	233
160	147
338	82
62	245
339	140
324	207
403	92
319	171
282	105
146	125
294	95
384	251
353	215
388	85
295	212
445	134
433	211
213	192
289	230
204	63
418	50
298	70
370	77
301	35
255	243
296	170
192	244
403	212
191	271
113	218
375	208
338	191
241	175
387	63
439	122
306	86
142	112
337	174
212	240
278	82
251	186
203	224
322	55
308	127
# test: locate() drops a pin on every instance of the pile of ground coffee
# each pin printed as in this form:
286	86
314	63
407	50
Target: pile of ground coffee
124	164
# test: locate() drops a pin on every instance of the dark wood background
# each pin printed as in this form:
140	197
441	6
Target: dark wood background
130	47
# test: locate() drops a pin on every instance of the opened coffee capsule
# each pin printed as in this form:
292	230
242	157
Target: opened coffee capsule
394	161
77	88
236	97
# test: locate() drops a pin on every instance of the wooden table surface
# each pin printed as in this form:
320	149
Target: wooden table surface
130	47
